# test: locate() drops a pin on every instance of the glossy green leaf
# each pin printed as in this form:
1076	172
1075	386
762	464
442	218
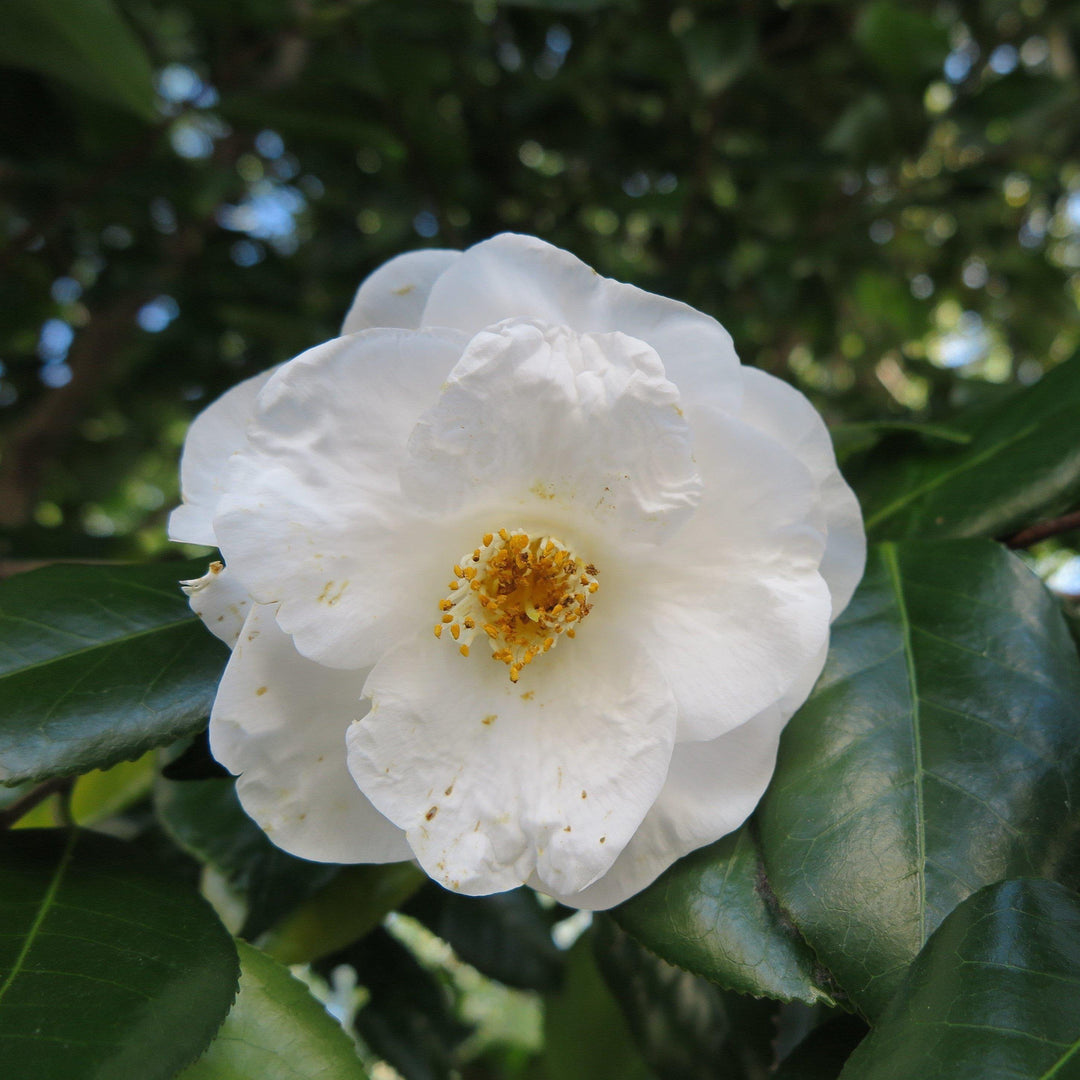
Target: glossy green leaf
205	818
902	41
938	753
1022	464
350	906
109	967
276	1031
85	43
685	1026
714	914
506	936
99	664
995	993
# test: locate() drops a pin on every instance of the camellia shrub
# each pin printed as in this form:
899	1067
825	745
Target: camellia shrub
520	684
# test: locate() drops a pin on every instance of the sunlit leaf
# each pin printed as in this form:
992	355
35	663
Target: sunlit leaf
276	1031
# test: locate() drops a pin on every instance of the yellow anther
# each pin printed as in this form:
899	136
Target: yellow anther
504	535
593	586
515	672
464	650
455	631
487	540
458	572
453	585
438	629
491	632
448	618
445	605
571	633
469	622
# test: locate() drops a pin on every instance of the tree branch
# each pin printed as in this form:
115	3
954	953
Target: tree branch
21	807
1034	533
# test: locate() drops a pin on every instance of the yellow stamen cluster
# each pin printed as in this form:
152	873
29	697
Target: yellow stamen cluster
523	593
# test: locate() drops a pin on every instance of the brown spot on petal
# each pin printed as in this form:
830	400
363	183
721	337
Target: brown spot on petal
490	719
603	839
528	695
450	790
262	690
584	794
404	290
216	567
431	813
567	829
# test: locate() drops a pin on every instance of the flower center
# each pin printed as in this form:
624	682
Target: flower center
522	592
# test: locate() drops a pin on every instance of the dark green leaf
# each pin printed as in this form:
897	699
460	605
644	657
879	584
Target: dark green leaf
84	42
995	993
714	914
586	1036
108	967
1022	463
938	753
206	820
276	1031
687	1028
99	664
506	936
350	906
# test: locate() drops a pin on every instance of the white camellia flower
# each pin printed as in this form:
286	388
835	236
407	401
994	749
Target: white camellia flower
524	575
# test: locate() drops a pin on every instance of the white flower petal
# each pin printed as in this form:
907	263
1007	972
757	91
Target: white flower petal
495	782
279	721
220	601
214	436
560	424
779	410
395	294
313	518
511	276
711	789
735	601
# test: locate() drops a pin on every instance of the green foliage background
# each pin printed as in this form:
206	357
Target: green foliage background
864	193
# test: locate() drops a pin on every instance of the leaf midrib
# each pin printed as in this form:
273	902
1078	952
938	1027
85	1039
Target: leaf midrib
943	477
892	565
59	658
43	909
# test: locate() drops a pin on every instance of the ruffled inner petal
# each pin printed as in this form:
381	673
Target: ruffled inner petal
539	419
496	782
279	722
313	518
396	293
780	411
214	436
512	276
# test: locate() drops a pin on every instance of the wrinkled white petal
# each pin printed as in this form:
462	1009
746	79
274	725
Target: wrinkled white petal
220	601
736	605
313	518
511	276
279	722
779	410
711	789
495	782
214	436
544	420
395	294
